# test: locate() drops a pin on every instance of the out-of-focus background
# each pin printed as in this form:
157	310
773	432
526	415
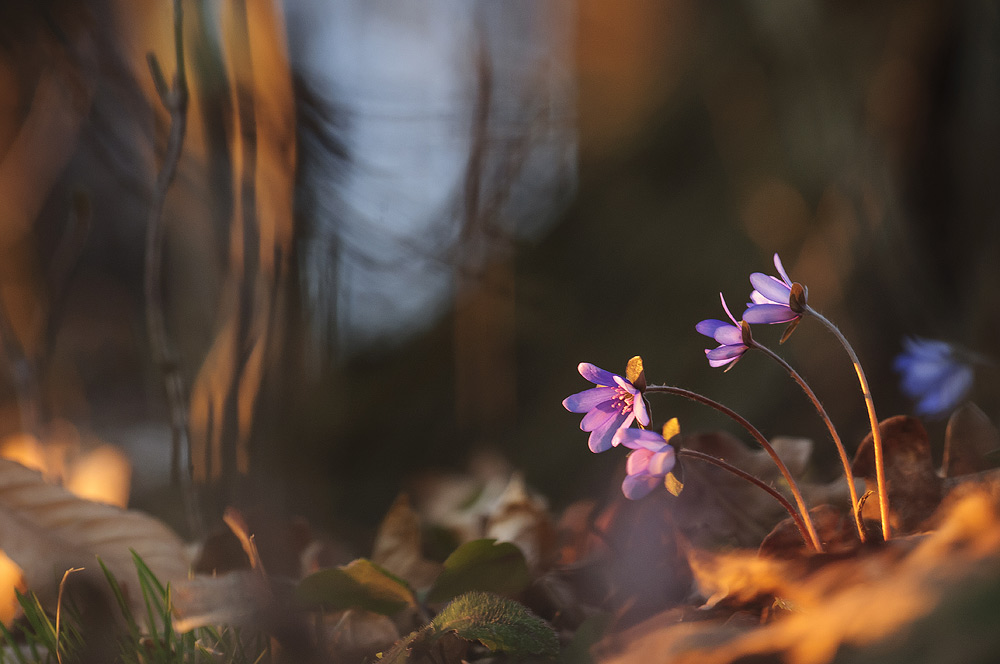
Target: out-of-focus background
396	228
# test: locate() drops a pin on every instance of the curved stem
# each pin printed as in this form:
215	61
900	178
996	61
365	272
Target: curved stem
883	494
716	461
848	473
810	531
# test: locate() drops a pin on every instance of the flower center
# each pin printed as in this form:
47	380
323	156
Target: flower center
622	400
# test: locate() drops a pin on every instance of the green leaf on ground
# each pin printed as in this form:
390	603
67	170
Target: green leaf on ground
483	565
498	623
360	584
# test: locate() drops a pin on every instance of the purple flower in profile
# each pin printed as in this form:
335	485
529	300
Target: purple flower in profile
774	300
652	459
729	335
935	374
614	404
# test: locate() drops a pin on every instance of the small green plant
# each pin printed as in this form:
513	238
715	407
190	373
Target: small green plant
146	638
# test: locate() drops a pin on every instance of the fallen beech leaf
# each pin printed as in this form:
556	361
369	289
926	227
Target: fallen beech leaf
46	530
523	519
969	438
914	486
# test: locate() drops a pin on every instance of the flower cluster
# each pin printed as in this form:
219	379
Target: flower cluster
610	409
935	374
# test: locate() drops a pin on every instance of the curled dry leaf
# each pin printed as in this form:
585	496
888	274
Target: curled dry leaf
46	530
398	547
522	518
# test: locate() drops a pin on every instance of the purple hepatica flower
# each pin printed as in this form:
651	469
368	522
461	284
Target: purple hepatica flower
652	459
730	335
610	406
935	374
772	301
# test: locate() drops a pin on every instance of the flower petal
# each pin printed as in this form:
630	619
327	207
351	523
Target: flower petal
725	352
773	289
662	463
769	313
640	410
636	439
625	385
710	326
600	437
639	486
638	461
582	402
721	363
943	399
781	270
595	374
729	336
598	415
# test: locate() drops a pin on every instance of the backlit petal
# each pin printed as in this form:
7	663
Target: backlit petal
709	327
771	288
638	461
662	463
637	439
640	410
582	402
600	437
640	486
725	352
595	374
781	270
769	313
729	336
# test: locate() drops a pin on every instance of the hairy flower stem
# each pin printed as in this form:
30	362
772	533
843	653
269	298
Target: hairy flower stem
848	473
716	461
883	494
809	533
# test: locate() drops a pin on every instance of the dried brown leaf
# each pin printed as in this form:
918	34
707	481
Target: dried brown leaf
866	601
397	546
969	440
914	486
46	530
719	508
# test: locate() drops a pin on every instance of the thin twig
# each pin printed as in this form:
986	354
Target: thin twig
59	599
175	100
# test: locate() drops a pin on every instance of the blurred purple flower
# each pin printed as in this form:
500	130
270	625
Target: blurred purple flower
730	335
652	459
935	374
771	300
614	404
